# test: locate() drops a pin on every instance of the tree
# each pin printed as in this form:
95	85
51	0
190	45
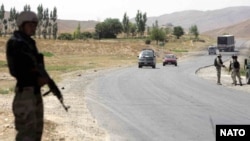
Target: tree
125	23
26	8
40	19
65	36
12	19
110	28
50	24
5	23
132	28
49	30
178	31
141	20
54	30
54	23
77	33
86	34
194	30
2	12
45	23
157	33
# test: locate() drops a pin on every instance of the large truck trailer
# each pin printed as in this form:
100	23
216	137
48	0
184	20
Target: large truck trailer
225	43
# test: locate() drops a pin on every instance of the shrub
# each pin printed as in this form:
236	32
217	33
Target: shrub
148	41
65	36
48	54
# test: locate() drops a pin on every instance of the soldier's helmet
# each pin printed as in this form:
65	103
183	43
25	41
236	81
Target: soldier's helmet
234	56
26	16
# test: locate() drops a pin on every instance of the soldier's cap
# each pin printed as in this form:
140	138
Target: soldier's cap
219	55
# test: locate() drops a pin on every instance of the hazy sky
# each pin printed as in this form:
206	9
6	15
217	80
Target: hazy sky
101	9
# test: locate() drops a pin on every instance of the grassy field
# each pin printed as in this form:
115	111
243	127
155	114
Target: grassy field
67	56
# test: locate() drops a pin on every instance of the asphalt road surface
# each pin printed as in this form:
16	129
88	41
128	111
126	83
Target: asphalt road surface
165	104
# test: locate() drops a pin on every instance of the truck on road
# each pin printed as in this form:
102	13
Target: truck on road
226	43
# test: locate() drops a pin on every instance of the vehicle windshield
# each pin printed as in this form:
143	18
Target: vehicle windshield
147	53
170	56
212	47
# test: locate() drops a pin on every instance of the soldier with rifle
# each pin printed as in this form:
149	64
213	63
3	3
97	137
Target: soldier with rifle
25	63
218	64
235	70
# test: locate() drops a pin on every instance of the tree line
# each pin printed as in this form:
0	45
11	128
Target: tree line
47	25
109	28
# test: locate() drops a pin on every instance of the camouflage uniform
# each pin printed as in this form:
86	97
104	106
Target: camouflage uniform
231	70
218	68
236	72
21	52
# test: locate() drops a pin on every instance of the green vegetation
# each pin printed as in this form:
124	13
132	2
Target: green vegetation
176	50
178	32
47	54
47	25
62	56
3	63
65	36
110	28
126	24
194	31
5	91
157	34
141	20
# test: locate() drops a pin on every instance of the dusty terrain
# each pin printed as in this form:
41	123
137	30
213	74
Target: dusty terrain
77	124
209	73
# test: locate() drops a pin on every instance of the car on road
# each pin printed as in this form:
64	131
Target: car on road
169	59
211	50
147	58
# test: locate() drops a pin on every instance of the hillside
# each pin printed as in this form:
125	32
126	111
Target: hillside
205	20
71	25
239	30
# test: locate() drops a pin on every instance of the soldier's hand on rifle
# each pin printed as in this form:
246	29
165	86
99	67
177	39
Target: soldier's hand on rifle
42	81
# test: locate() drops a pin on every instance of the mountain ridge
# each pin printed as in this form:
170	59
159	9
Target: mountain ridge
205	20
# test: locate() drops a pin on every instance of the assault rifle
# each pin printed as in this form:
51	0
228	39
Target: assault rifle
51	84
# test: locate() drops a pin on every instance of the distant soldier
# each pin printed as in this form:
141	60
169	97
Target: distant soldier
235	67
231	68
218	64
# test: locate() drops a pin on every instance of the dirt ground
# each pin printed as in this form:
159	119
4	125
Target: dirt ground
209	73
77	124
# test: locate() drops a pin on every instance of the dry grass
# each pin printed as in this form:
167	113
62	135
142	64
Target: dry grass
67	56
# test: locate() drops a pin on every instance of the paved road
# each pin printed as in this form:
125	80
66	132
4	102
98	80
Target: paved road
165	104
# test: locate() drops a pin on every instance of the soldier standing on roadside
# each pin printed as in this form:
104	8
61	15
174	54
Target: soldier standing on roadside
218	64
231	68
23	63
235	66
